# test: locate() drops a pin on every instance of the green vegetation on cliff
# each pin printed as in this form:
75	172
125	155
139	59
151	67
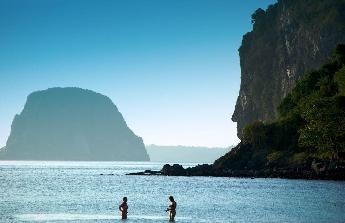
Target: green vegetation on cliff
289	39
309	132
306	140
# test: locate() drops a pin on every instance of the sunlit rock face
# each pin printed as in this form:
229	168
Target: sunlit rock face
289	39
71	124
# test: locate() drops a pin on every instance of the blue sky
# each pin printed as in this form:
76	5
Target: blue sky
171	67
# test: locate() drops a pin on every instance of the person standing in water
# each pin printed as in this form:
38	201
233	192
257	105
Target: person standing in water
172	209
123	208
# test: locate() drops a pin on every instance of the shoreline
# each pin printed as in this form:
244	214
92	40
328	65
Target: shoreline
206	170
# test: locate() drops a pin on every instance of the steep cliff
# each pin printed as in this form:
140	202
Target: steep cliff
308	134
289	39
71	124
307	140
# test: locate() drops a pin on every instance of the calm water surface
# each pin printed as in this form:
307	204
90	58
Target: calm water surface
76	192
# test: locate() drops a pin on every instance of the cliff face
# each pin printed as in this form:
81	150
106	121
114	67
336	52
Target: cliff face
289	39
307	140
71	124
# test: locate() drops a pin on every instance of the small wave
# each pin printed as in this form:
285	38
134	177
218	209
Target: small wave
64	217
73	217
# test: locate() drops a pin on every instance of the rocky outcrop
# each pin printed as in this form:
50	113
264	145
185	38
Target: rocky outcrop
71	124
174	170
314	173
289	39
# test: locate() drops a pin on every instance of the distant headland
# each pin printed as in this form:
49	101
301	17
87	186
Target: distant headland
185	154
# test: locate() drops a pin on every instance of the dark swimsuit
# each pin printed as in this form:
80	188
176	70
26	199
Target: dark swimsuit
123	208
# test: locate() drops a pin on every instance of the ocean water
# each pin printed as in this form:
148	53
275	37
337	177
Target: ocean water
77	192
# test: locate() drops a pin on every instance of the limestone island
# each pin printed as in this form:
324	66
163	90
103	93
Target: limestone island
71	124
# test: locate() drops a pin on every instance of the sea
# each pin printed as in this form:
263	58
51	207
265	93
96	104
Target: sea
42	191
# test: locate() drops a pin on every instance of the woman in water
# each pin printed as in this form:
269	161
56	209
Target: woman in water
123	208
172	209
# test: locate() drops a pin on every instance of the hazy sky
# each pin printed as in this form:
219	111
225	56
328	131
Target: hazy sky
170	66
